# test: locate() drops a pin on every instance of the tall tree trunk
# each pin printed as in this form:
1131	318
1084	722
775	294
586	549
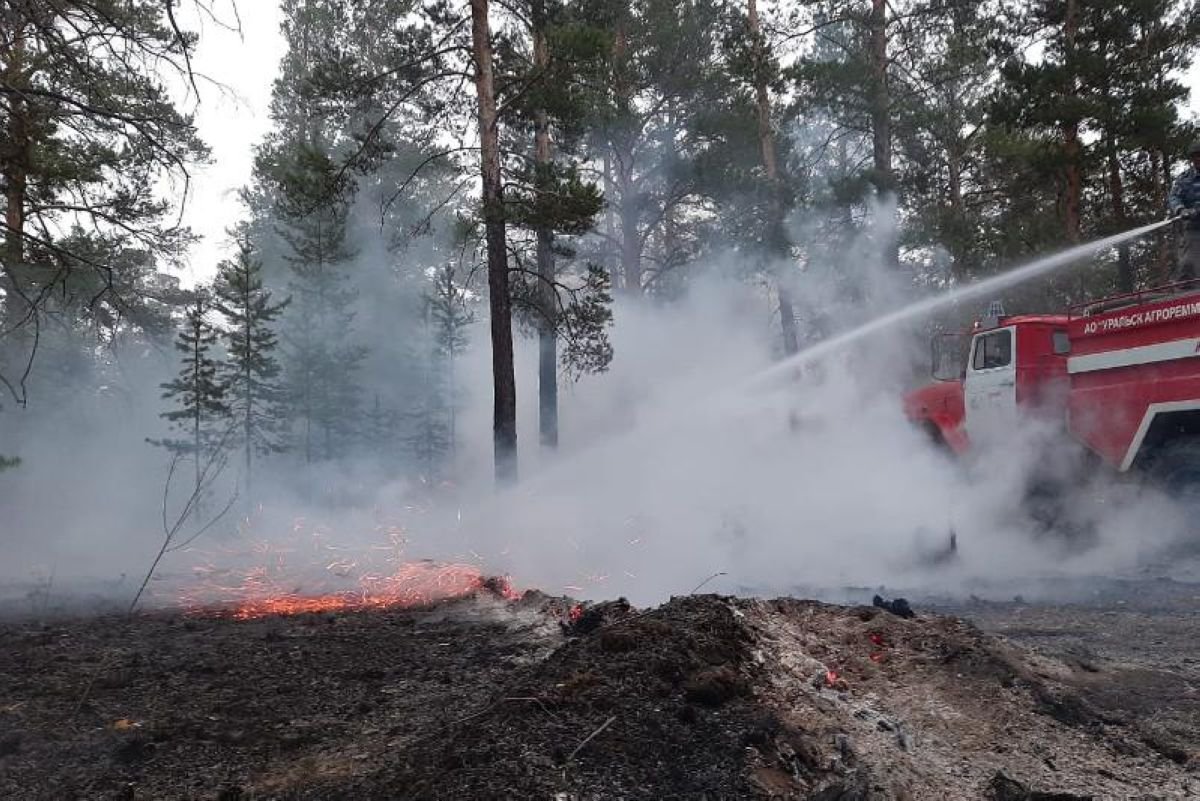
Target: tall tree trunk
15	162
1162	186
778	246
881	124
631	241
452	411
15	185
959	249
16	158
610	227
1116	189
1072	149
548	295
308	419
248	420
197	332
504	383
621	148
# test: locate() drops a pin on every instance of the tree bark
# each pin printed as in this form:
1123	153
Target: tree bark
248	420
776	236
1162	186
1072	149
504	386
881	124
631	243
1116	188
16	158
959	249
15	171
610	227
197	333
621	149
548	295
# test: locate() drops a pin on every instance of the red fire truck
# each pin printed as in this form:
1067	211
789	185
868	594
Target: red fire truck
1120	376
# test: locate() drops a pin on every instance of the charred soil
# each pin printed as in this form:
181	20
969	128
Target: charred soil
704	697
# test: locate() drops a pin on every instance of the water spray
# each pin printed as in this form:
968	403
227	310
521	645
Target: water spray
988	286
782	371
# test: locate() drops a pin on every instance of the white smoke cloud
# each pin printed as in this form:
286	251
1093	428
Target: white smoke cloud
675	465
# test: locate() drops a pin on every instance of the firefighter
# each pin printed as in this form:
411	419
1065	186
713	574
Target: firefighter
1184	204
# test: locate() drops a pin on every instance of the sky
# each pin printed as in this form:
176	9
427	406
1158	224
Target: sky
232	117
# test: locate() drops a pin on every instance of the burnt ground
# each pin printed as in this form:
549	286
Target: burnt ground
1132	652
703	697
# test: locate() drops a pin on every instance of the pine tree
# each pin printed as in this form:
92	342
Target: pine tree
450	316
1095	117
661	78
1130	53
309	197
559	65
198	393
504	382
87	135
321	361
941	134
381	430
251	372
746	165
436	398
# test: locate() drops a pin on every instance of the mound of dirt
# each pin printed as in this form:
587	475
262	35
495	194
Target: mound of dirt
704	697
656	705
709	697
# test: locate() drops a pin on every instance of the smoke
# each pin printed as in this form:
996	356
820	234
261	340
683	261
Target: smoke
678	469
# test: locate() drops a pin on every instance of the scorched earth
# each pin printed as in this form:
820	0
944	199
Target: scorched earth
704	697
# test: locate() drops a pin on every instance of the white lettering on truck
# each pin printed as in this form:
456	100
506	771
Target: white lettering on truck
1148	317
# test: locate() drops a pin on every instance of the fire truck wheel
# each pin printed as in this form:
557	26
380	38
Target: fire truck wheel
1049	505
1176	468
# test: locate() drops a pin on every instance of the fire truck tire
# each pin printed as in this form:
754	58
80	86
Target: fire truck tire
935	436
1176	468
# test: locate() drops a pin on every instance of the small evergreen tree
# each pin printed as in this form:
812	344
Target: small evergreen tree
321	364
307	195
251	371
381	430
320	360
433	414
449	316
198	393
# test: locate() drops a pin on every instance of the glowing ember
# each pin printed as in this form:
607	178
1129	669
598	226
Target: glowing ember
575	613
309	570
259	592
416	584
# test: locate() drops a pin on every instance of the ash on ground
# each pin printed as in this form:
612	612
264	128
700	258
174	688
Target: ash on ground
704	697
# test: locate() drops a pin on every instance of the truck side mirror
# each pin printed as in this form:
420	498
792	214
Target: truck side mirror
949	356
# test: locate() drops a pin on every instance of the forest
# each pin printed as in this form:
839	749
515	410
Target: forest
553	352
445	179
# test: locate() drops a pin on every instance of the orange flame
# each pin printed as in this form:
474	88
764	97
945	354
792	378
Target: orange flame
259	577
261	591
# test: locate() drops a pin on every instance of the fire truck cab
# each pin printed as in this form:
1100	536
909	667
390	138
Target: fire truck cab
1120	376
